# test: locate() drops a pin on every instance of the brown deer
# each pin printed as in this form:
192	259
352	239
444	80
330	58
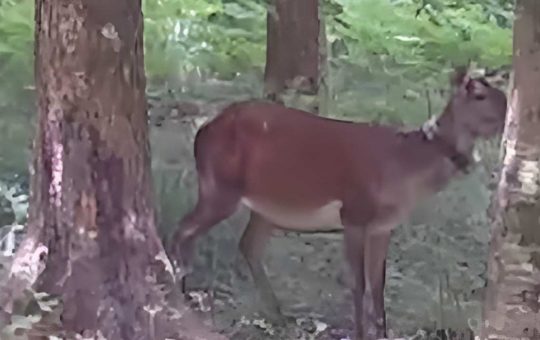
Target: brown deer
300	172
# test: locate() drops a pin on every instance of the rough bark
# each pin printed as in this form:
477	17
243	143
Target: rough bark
293	54
91	233
512	303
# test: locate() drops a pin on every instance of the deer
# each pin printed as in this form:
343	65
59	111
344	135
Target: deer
297	171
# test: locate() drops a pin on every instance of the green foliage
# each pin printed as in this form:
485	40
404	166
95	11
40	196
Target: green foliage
16	46
223	37
211	36
497	11
391	34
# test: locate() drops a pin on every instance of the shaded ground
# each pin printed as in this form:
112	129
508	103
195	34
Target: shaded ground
311	281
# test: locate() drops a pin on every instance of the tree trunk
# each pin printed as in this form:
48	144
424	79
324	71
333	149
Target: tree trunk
512	304
293	54
91	219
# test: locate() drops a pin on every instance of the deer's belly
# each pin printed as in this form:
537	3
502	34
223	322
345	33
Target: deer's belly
323	218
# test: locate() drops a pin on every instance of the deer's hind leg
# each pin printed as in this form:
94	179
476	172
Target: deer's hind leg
215	204
252	246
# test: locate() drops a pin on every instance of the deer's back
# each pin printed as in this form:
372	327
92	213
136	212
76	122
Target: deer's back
285	159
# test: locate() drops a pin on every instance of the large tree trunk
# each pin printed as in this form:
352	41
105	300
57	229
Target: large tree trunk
293	52
513	292
91	215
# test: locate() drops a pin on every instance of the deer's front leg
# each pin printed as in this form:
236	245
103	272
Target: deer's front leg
354	250
375	273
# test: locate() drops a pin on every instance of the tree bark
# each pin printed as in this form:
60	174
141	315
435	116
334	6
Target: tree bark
293	54
91	230
512	304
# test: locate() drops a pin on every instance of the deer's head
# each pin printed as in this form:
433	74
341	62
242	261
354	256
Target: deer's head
475	110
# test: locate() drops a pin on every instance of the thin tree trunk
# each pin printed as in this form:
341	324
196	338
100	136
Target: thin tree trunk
293	56
91	229
512	304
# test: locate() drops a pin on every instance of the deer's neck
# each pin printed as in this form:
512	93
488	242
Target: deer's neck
459	155
431	159
455	142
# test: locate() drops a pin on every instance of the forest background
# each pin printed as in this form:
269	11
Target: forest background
388	61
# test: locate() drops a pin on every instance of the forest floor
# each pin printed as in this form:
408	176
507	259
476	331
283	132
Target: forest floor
311	281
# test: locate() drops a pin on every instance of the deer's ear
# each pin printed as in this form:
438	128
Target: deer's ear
460	77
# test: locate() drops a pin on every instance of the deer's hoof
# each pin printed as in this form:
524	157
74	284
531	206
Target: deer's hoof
275	317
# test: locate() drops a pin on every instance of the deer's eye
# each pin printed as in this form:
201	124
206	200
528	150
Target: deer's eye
479	96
